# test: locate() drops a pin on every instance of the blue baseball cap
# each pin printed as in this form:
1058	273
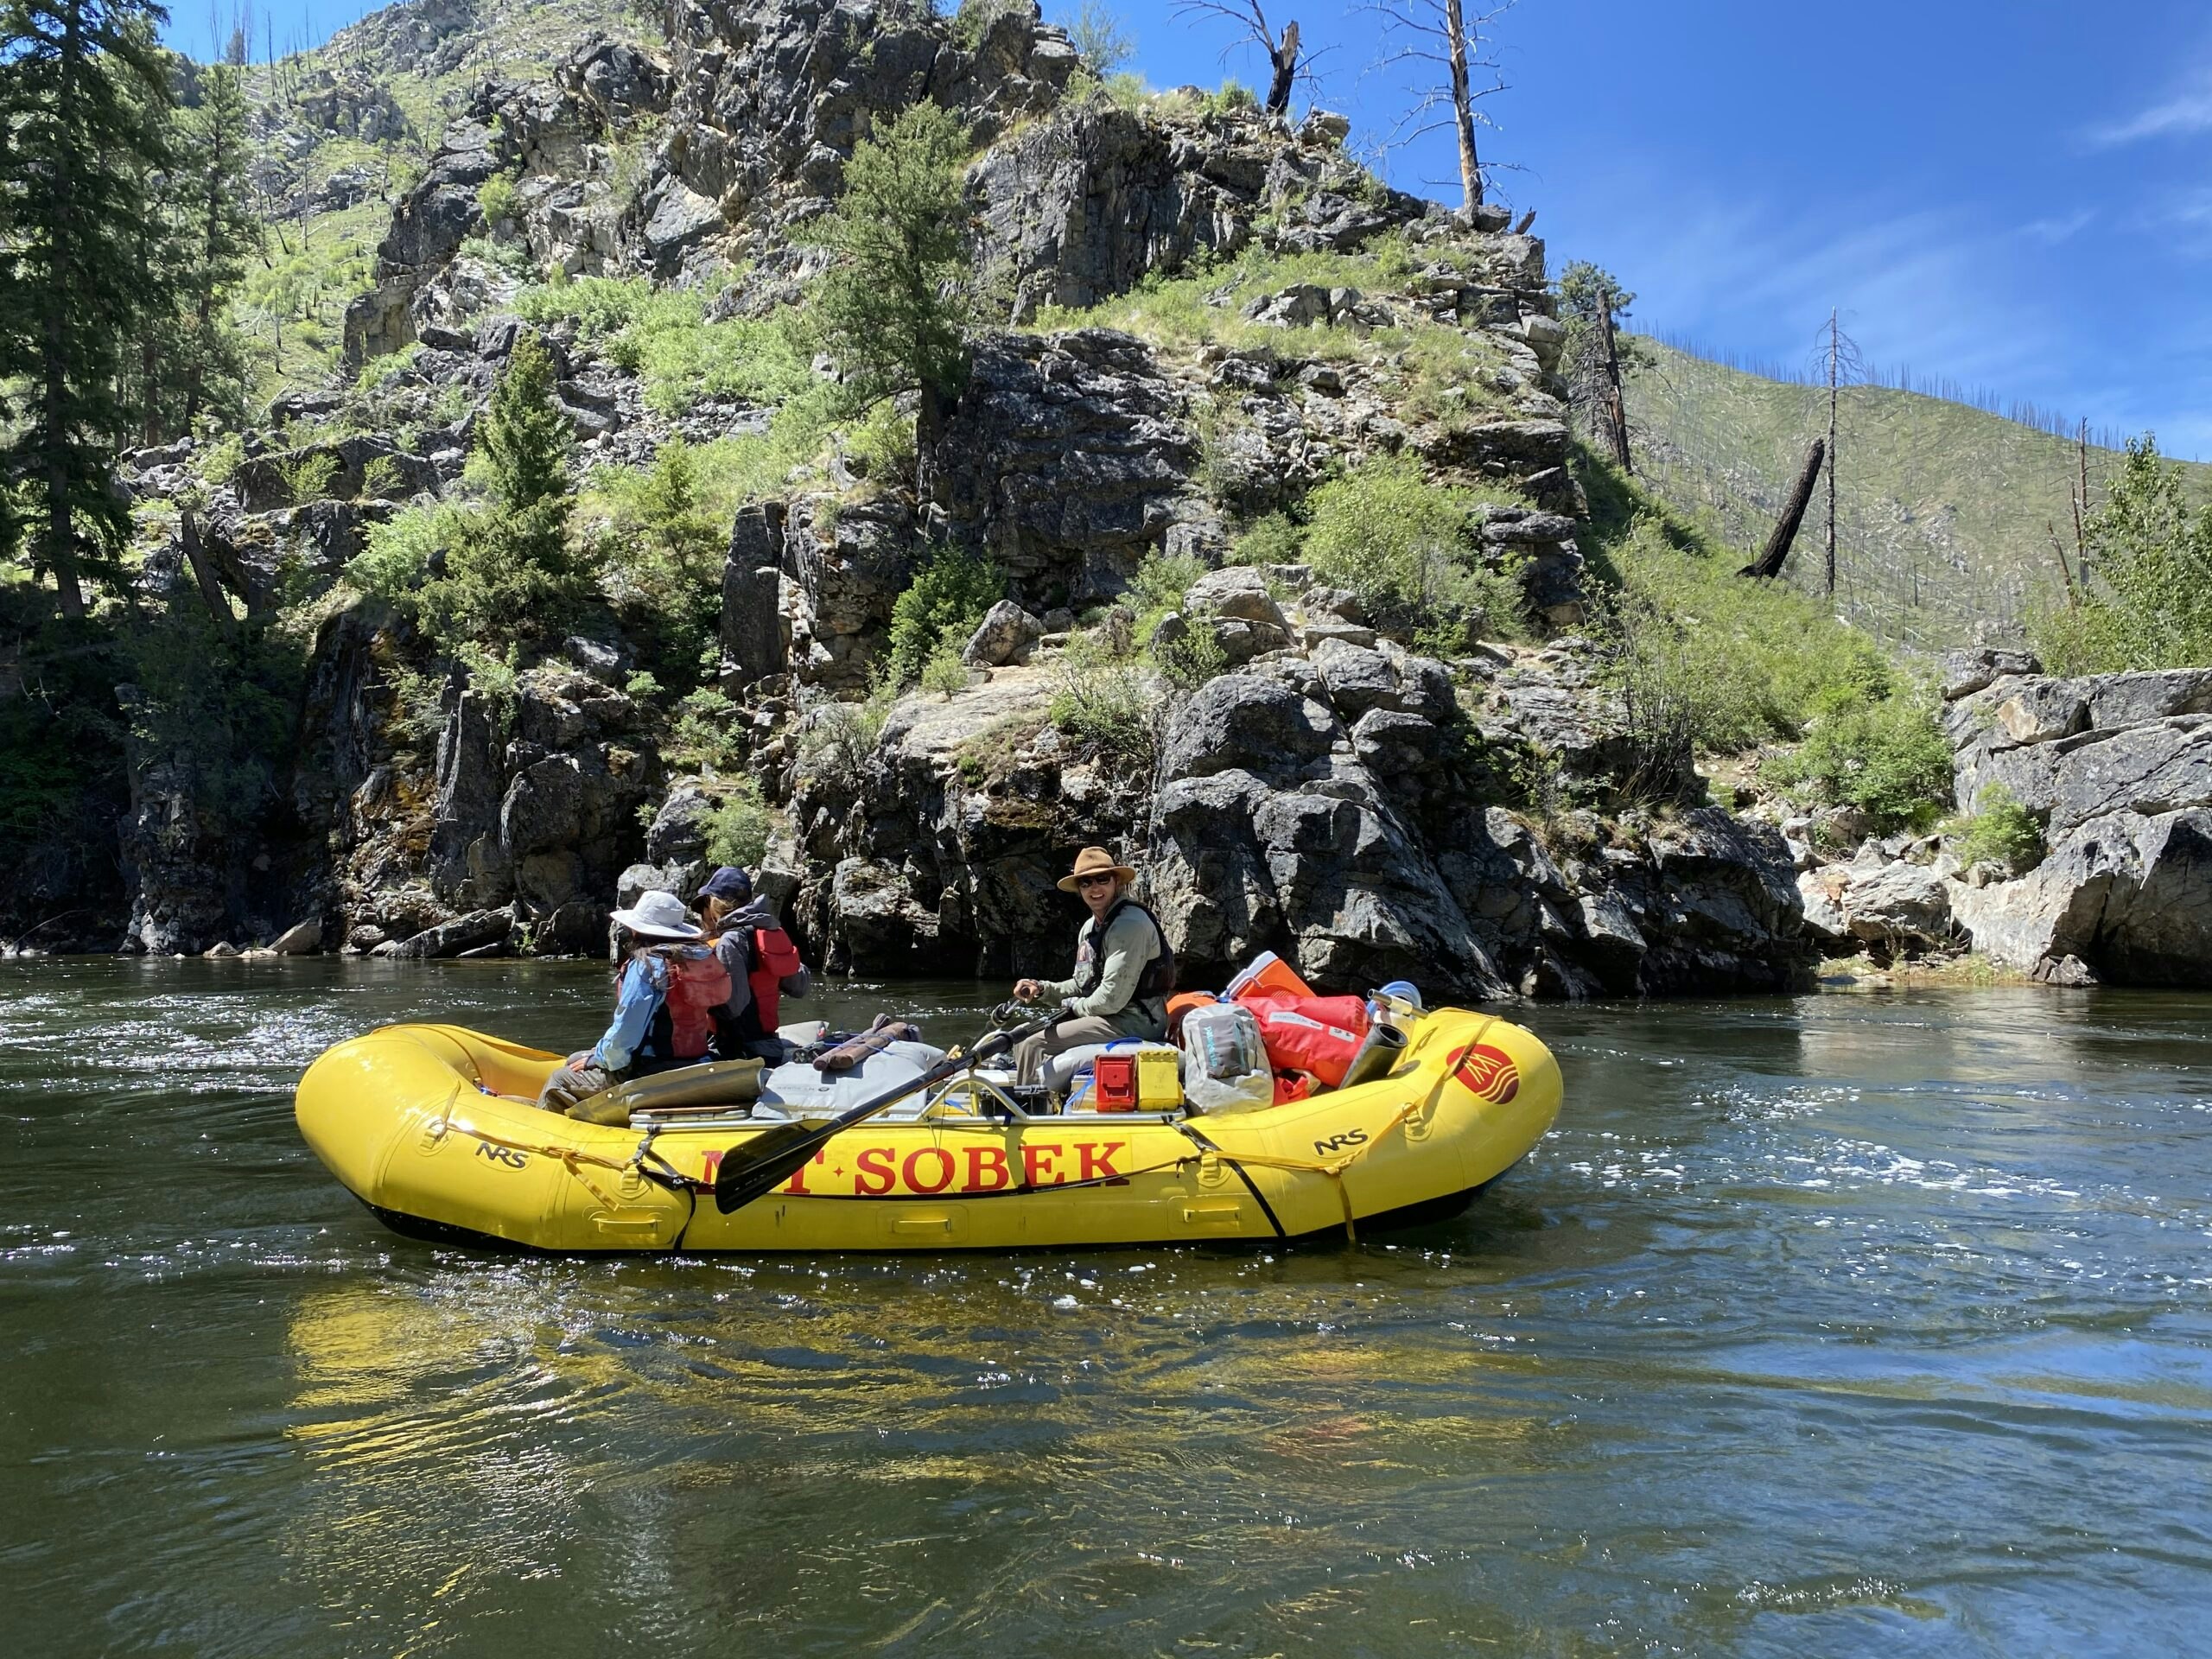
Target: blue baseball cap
728	883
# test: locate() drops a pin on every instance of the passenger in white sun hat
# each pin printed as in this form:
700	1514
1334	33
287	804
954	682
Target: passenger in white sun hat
665	993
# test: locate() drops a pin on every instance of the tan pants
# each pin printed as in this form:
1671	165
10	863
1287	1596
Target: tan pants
573	1083
1031	1053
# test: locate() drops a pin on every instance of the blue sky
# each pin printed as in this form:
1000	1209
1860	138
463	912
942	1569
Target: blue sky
2013	193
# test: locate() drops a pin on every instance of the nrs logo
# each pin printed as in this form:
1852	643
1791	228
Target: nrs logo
1338	1142
1488	1073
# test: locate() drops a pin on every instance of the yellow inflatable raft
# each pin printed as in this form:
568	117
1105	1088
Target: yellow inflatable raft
433	1128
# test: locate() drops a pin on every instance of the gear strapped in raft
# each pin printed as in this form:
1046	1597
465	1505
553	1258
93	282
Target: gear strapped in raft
432	1128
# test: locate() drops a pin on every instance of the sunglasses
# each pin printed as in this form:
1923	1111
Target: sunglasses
1094	880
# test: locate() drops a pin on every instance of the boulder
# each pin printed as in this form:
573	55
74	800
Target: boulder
1006	634
468	932
2129	893
301	939
752	632
1358	678
678	833
1240	721
1898	904
1236	591
2159	766
1967	671
1390	744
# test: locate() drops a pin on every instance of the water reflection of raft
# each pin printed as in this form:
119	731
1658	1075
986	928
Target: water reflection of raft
418	1123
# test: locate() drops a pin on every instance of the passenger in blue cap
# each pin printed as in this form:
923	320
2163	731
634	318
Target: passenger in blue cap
764	967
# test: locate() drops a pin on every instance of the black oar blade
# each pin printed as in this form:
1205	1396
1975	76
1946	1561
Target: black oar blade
764	1163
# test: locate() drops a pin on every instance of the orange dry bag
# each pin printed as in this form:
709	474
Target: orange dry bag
1318	1035
775	959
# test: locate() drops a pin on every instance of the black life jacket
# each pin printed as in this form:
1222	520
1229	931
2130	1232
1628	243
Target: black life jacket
1158	978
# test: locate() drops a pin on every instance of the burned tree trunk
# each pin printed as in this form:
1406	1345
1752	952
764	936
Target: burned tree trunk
1285	59
1615	400
203	573
1769	563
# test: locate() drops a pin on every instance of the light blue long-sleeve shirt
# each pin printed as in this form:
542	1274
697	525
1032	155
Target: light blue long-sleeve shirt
643	988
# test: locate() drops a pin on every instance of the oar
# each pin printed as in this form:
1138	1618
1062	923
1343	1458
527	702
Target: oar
774	1155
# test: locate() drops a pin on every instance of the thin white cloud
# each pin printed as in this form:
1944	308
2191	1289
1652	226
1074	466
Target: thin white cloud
2189	110
2064	227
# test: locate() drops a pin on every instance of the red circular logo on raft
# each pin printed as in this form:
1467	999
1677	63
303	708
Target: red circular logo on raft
1489	1073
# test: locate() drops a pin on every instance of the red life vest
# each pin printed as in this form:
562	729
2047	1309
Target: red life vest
1318	1035
775	959
697	985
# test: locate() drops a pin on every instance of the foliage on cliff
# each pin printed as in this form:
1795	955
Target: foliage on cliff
2144	597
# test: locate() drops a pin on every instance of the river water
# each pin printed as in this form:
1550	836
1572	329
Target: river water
1843	1325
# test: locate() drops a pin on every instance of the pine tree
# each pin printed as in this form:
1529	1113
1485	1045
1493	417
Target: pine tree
512	573
220	234
83	101
525	437
893	310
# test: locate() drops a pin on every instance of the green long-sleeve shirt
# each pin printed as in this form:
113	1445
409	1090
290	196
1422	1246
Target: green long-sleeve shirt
1130	943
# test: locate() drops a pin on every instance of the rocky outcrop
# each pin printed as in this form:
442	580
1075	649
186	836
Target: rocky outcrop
1068	457
547	137
2118	769
1327	806
772	95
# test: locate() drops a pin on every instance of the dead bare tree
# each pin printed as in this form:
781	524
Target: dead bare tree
1451	40
1845	366
1769	563
1285	60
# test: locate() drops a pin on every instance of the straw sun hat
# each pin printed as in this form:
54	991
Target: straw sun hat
1096	860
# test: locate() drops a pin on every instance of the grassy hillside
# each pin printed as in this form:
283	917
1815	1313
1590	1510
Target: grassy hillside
1942	509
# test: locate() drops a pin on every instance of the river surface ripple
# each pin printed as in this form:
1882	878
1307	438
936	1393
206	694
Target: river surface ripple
1835	1325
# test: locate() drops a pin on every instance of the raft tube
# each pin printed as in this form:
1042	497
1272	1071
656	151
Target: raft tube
433	1128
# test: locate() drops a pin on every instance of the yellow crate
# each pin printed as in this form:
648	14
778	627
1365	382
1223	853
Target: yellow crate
1160	1079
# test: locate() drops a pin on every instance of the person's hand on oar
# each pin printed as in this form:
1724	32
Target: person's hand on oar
772	1157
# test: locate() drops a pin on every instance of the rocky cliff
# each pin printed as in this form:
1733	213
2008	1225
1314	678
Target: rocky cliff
1189	316
2112	775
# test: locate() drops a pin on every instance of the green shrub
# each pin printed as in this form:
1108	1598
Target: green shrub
307	475
1276	539
664	548
497	199
1190	659
974	19
738	826
708	735
380	477
838	740
892	308
663	335
950	592
1104	705
883	447
1401	543
1099	35
1158	586
1747	662
2001	831
511	570
1887	758
944	673
220	459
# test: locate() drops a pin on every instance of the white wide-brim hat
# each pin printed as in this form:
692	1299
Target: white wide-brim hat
661	916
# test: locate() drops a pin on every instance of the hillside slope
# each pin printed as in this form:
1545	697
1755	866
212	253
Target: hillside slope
1943	511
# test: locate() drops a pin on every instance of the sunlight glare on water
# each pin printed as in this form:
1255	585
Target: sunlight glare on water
1840	1324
